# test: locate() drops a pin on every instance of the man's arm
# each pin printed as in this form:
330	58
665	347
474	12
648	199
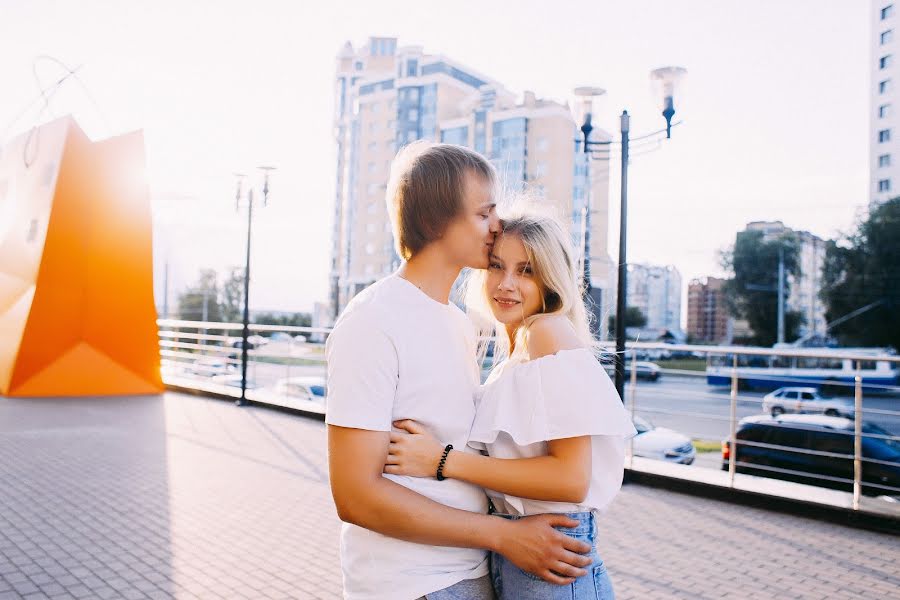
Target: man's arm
367	499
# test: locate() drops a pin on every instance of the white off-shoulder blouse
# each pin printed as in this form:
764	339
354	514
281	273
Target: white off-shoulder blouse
523	404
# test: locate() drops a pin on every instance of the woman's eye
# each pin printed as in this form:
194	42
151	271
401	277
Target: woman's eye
494	266
526	271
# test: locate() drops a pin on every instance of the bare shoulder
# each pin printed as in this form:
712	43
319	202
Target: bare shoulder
549	334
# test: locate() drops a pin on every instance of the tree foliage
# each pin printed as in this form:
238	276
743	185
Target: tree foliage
861	270
633	318
752	291
233	296
205	292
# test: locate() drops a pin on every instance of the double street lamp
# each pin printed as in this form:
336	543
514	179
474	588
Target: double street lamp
666	80
245	332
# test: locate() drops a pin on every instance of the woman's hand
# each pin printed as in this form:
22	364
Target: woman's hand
413	451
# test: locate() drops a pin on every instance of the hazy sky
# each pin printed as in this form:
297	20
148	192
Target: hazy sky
775	110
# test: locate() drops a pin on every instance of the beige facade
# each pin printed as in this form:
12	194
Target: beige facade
388	96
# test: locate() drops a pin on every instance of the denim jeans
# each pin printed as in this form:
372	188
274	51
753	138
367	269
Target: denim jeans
512	583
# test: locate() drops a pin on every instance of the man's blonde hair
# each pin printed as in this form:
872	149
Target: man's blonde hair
425	191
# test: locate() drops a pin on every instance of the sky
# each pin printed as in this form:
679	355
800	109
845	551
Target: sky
775	110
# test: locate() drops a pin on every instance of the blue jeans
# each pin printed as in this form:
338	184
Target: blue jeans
512	583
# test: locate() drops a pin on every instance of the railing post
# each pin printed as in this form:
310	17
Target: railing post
732	455
857	436
632	395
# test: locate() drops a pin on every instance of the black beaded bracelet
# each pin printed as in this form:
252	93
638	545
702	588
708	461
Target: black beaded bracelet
440	469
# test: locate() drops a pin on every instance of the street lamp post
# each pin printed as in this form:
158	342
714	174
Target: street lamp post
666	79
245	332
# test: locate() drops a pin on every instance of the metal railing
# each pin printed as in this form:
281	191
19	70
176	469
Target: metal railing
286	364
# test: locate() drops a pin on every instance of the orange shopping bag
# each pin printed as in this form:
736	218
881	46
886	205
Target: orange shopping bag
76	278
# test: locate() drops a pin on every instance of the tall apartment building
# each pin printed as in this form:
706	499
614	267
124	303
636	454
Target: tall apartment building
387	96
804	290
884	129
656	291
707	313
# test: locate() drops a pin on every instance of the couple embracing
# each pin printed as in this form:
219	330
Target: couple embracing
448	489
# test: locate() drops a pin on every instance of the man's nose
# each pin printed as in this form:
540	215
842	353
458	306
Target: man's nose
496	226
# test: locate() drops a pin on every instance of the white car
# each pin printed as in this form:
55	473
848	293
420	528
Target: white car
661	443
805	400
211	366
311	389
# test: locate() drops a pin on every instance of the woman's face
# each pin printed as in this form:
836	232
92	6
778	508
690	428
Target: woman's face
511	287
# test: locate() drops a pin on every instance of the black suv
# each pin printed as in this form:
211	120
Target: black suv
789	439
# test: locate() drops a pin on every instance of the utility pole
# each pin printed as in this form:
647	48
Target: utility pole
781	295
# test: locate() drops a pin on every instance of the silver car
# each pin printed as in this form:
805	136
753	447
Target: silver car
805	400
661	443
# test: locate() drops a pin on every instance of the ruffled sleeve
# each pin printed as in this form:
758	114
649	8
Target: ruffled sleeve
567	394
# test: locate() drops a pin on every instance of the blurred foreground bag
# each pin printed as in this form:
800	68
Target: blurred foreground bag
76	277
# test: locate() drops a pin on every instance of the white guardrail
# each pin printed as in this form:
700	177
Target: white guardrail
711	414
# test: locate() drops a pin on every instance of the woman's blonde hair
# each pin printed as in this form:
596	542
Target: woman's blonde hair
549	249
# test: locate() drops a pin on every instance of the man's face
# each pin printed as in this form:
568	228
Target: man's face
470	236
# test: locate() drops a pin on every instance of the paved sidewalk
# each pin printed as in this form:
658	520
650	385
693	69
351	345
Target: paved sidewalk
181	496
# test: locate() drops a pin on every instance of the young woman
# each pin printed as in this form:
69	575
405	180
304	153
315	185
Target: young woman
548	416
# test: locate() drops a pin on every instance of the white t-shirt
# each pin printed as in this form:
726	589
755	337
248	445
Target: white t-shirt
523	405
395	353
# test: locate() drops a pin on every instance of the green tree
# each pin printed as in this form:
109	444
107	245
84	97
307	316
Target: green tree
291	320
201	298
633	318
233	296
862	270
751	292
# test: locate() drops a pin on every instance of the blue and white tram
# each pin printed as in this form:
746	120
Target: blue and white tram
769	372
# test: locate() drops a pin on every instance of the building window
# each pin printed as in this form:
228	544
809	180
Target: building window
884	160
884	86
884	185
887	36
371	146
374	107
370	227
542	144
413	114
885	61
373	187
884	136
371	167
370	248
884	111
887	11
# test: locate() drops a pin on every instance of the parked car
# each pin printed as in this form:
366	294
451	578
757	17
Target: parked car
805	400
645	370
302	388
782	448
210	366
280	336
661	443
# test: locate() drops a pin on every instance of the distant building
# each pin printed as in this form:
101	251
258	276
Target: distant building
707	313
388	95
656	291
884	128
804	290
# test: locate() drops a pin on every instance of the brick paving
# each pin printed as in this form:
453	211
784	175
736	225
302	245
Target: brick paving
180	496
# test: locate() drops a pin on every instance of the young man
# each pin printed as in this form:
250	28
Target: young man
401	350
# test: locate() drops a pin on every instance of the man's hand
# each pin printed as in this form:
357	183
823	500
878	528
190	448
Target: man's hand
533	545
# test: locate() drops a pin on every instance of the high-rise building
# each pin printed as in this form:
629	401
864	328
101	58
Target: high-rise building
388	96
884	130
656	291
804	290
707	313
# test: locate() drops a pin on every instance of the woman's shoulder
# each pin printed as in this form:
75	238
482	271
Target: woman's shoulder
549	334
